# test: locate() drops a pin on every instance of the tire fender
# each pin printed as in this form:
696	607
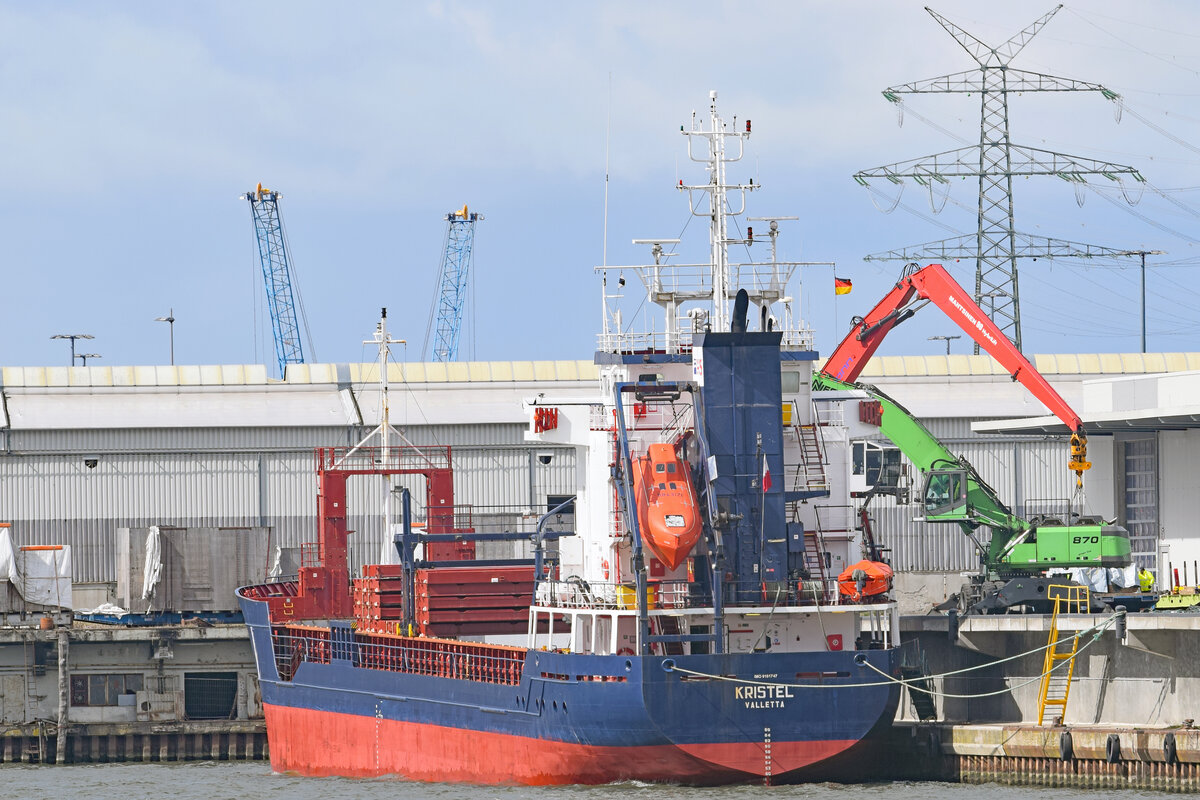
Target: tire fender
1066	746
1112	748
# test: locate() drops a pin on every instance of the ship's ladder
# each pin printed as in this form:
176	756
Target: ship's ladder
814	562
1056	683
670	635
920	691
810	472
29	652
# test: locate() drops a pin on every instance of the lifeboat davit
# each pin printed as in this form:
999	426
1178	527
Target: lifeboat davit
668	516
865	579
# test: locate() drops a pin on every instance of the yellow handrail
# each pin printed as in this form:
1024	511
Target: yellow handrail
1067	600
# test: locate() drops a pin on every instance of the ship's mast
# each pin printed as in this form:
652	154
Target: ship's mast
384	430
684	290
715	157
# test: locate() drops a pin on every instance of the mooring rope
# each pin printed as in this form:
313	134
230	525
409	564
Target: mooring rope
1096	631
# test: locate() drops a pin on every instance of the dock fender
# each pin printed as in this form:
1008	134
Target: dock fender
934	742
1112	748
1170	751
1066	746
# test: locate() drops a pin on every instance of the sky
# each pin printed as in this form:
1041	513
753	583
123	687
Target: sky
131	128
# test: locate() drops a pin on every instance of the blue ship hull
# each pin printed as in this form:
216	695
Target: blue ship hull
573	718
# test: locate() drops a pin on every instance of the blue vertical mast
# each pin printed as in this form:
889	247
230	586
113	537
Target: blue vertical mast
452	290
277	274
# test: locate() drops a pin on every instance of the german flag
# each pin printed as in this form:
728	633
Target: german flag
841	285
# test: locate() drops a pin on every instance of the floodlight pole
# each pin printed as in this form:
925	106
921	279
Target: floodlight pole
72	337
946	339
170	320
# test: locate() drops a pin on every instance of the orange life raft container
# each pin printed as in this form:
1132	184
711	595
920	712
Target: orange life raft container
668	516
865	579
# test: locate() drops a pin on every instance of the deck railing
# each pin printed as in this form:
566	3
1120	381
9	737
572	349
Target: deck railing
295	645
667	595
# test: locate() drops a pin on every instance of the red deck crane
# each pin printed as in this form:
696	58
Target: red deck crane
933	284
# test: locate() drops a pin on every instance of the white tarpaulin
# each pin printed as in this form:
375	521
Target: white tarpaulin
1101	579
154	565
41	574
1123	577
8	560
104	608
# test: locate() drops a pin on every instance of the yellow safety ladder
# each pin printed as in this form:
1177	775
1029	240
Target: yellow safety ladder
1056	684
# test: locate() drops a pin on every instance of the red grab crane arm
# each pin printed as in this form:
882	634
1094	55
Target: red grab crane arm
851	356
933	283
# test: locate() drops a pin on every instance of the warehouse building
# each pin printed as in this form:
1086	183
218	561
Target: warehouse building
87	451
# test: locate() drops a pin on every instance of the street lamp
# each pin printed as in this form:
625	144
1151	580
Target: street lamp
72	337
992	297
83	357
170	320
946	339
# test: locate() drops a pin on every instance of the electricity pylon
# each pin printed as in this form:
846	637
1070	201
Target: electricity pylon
996	245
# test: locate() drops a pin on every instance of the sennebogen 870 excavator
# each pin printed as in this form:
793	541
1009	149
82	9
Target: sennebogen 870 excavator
1020	551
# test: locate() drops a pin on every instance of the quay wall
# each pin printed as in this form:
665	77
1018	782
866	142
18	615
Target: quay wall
1151	677
1082	757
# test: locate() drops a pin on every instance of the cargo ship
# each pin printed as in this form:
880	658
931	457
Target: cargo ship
691	629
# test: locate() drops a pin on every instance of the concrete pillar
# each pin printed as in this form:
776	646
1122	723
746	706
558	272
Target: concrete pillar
64	698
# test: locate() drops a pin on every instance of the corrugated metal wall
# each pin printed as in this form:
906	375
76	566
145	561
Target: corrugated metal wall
242	477
265	476
1028	473
277	438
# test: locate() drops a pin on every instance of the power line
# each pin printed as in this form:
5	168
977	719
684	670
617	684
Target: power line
994	162
1132	46
1132	23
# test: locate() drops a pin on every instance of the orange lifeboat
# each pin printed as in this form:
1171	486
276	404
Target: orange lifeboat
864	580
666	504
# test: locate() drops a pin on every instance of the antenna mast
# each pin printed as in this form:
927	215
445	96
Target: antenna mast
718	211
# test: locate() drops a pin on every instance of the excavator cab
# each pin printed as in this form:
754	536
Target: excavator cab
945	496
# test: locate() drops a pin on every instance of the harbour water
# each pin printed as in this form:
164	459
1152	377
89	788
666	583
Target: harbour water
238	781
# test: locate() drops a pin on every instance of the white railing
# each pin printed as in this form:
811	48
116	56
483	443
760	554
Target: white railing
830	413
835	518
594	595
669	595
641	342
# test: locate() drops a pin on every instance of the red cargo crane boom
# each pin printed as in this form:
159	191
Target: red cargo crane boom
933	284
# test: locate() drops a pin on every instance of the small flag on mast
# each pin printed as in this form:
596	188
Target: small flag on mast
841	285
766	482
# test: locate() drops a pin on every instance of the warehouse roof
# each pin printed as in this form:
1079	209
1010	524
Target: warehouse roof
1125	403
1066	364
1049	364
298	374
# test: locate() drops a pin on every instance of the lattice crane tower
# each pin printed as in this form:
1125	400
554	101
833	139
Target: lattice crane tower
452	282
277	274
996	245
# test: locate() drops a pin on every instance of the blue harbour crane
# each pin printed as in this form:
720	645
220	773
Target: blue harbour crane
452	283
282	300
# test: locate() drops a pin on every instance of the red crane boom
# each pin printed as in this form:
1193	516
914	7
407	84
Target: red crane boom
934	284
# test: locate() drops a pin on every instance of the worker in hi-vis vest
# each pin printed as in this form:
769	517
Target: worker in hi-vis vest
1145	579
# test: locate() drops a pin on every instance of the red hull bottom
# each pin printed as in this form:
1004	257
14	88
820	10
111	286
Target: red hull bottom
323	743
